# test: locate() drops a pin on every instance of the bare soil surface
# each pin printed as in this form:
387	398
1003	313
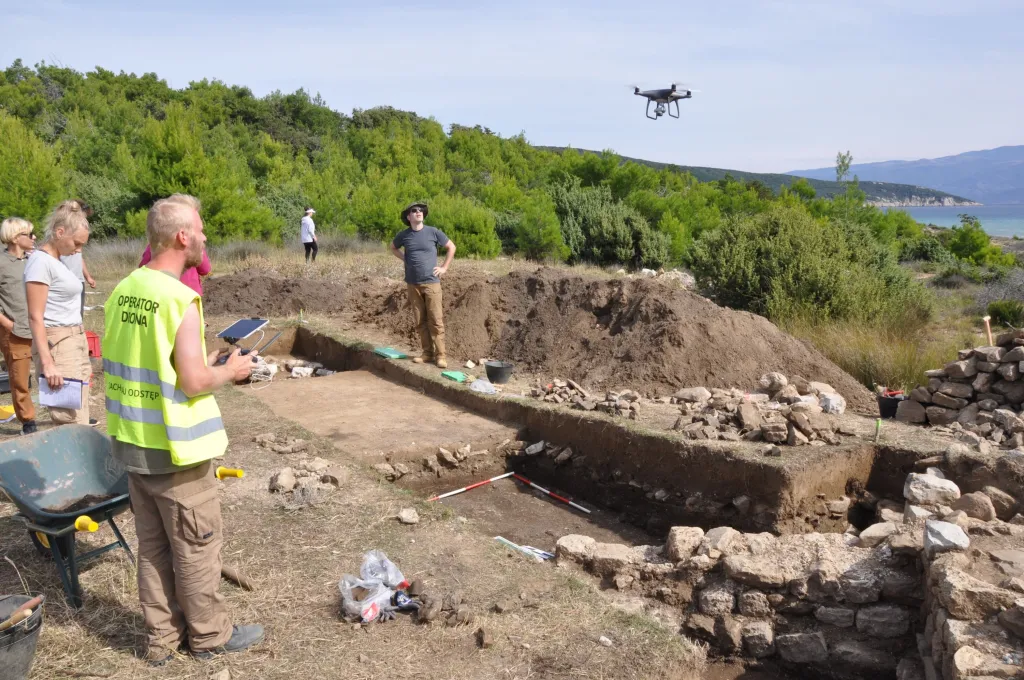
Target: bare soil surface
245	296
641	334
367	416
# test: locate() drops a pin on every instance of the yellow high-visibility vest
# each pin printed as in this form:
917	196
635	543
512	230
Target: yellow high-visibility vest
145	404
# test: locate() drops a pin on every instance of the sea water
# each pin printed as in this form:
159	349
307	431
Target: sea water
996	220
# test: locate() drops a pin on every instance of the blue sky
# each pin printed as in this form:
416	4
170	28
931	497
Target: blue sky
784	84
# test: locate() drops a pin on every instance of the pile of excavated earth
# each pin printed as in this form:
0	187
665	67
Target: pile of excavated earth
652	336
928	591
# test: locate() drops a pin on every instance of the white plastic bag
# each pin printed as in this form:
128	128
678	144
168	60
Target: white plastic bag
483	386
374	597
377	567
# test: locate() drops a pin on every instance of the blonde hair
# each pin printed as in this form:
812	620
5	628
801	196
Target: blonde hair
68	215
167	217
12	228
185	199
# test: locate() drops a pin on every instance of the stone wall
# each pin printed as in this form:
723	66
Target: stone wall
978	397
929	590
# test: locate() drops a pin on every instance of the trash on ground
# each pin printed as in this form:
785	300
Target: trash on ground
529	552
378	593
483	386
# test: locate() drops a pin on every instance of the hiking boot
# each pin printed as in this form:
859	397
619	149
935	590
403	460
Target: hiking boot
441	363
29	428
242	637
423	360
159	656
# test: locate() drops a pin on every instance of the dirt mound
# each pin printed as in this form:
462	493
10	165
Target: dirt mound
268	296
624	333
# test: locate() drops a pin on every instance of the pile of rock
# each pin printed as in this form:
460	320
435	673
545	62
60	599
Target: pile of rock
685	279
979	396
929	590
618	403
300	368
281	444
782	411
304	482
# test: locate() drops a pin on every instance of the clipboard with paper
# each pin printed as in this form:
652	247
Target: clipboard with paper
68	395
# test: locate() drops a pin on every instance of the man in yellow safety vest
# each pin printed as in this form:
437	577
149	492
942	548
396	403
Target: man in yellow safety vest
166	429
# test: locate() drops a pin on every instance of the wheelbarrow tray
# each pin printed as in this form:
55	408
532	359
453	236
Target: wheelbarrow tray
56	476
46	473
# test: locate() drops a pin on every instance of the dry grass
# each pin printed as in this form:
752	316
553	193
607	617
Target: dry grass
895	358
339	257
296	557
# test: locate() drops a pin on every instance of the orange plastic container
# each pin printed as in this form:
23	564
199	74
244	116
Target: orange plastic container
94	344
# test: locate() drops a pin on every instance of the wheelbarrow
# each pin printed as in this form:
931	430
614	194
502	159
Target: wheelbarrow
65	480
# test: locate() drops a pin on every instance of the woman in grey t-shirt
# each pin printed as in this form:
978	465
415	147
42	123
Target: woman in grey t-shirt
54	296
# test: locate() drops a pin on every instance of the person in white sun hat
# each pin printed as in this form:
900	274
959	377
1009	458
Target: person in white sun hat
307	232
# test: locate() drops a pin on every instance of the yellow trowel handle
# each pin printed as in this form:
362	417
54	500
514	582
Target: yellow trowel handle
85	523
223	472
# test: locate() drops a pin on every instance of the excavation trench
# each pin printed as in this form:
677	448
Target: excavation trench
636	481
396	411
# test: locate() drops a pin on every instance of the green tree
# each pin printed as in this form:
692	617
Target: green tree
31	183
538	233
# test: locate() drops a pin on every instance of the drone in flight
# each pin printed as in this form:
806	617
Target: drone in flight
664	99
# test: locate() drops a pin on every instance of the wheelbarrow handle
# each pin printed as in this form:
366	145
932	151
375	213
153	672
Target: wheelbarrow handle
224	472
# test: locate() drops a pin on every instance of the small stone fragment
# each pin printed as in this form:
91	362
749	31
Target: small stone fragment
484	637
604	641
409	516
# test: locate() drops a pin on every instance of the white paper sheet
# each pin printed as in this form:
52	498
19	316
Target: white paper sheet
68	396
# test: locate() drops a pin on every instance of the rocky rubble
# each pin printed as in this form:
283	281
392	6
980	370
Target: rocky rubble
622	403
978	396
902	598
306	481
783	411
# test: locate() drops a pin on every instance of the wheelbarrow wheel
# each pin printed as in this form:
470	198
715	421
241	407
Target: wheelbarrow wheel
42	543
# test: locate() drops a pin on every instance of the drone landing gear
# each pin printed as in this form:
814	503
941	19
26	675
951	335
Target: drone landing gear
661	109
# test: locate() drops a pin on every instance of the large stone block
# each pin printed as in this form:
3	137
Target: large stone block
938	415
968	598
754	604
962	369
682	542
840	617
802	647
759	639
958	390
923	489
716	600
610	558
940	399
976	505
911	411
753	570
940	537
883	621
575	548
876	533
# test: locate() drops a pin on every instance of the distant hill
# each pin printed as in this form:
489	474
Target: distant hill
878	193
994	176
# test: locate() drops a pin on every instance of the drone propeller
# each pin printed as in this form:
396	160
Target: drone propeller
680	85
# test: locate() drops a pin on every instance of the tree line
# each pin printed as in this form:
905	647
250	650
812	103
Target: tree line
119	141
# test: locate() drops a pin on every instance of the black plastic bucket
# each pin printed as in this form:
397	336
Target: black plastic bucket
887	405
498	372
18	643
